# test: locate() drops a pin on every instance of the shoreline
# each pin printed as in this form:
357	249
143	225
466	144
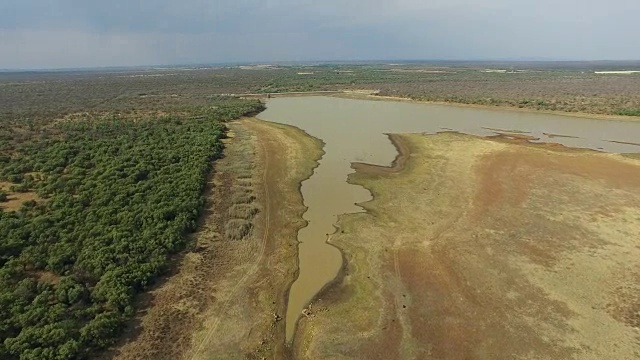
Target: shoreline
317	336
583	115
397	165
319	145
331	290
369	95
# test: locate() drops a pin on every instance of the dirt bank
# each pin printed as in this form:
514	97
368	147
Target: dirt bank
228	295
478	248
373	95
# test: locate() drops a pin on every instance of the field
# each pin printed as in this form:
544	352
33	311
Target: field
485	249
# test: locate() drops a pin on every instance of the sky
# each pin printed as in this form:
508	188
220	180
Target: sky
95	33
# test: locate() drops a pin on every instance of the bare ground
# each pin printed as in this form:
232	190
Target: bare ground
15	200
227	296
478	248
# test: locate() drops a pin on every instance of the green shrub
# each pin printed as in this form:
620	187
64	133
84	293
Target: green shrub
629	112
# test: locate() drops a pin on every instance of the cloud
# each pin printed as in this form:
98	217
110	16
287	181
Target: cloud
30	49
72	33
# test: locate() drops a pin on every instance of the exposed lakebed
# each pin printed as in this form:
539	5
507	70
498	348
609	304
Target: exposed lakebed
355	131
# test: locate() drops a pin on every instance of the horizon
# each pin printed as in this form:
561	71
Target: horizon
285	63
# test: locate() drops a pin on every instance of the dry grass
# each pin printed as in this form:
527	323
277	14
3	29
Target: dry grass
245	182
15	200
238	229
243	164
243	211
242	169
242	197
47	277
243	174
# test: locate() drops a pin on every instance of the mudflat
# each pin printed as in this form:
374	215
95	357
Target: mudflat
354	131
485	248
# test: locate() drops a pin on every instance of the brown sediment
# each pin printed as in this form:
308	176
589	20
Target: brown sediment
551	136
516	136
624	142
491	248
505	130
532	142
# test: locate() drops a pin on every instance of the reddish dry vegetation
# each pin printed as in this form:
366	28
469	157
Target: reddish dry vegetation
488	249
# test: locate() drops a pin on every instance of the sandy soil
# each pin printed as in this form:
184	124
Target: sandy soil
226	298
478	248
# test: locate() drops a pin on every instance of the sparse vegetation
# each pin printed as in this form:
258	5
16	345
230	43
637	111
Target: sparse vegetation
245	182
242	197
243	211
238	229
243	174
243	208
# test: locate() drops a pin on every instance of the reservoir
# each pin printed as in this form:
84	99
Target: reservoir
355	131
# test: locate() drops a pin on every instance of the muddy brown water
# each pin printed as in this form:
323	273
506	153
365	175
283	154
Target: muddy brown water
354	131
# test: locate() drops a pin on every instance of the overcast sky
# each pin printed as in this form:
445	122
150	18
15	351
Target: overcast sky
90	33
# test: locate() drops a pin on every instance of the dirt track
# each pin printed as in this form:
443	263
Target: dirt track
486	249
226	299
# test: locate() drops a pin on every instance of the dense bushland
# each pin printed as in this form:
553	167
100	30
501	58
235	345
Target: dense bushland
116	197
559	86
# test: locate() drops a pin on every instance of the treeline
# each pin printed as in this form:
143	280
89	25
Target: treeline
571	87
116	197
